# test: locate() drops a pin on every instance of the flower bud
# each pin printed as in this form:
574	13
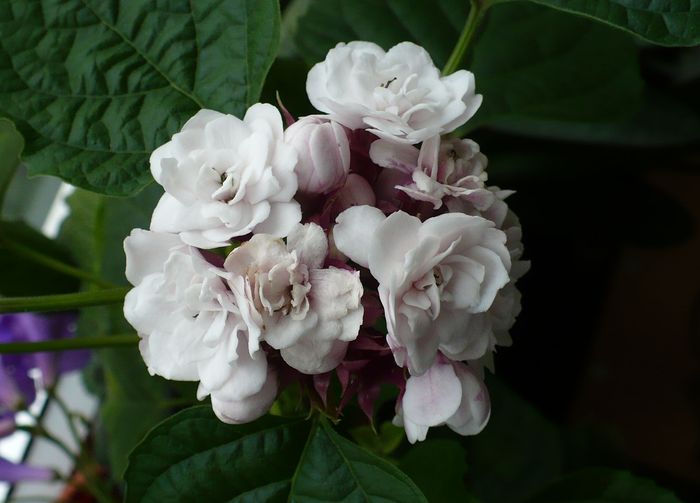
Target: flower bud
324	154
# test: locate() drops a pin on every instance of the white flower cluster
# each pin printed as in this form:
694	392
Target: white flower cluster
249	277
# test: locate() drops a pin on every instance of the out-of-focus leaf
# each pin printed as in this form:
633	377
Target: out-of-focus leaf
518	452
96	85
382	442
438	467
665	22
537	63
22	276
662	121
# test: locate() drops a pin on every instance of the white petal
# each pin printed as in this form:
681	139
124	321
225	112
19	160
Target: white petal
434	397
314	357
354	231
281	220
247	409
396	235
475	407
146	252
310	244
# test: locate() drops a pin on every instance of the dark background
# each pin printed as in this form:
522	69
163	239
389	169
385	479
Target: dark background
608	339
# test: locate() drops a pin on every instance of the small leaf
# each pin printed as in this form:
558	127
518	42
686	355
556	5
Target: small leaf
334	469
95	86
664	23
601	485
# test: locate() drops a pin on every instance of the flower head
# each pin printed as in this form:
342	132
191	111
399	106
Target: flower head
434	276
440	170
398	95
225	177
297	306
191	329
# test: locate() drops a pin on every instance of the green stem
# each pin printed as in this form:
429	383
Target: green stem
40	431
53	395
56	265
476	12
96	342
62	302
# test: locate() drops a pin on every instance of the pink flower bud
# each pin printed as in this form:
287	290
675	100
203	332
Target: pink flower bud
324	154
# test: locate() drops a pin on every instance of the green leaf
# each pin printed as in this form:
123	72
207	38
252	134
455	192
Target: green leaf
24	277
536	63
134	403
518	452
649	127
11	146
382	442
602	485
194	457
96	85
438	467
332	468
529	61
665	22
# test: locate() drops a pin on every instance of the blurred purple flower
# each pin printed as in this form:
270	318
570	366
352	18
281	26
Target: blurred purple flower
17	388
16	472
7	423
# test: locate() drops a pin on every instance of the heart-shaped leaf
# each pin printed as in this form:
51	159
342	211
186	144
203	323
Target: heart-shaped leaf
96	85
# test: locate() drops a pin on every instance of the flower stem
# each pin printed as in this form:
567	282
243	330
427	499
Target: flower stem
476	12
62	302
96	342
52	263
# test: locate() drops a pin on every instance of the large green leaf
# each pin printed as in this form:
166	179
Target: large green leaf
193	457
530	62
600	485
11	146
665	22
96	85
